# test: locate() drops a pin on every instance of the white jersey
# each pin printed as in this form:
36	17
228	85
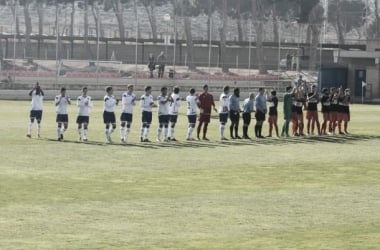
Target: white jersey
175	105
224	103
146	103
128	102
37	101
192	104
63	101
109	103
163	105
84	104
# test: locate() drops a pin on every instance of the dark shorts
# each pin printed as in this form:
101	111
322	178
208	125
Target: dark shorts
299	110
192	119
272	119
36	114
173	118
325	109
204	118
126	117
260	116
163	119
223	117
146	117
247	118
234	116
83	119
62	118
109	117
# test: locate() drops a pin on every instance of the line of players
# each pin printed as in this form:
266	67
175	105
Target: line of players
335	109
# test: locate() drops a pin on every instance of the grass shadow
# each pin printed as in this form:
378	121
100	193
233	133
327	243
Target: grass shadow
337	139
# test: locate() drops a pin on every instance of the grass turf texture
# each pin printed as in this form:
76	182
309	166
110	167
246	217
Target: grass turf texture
296	193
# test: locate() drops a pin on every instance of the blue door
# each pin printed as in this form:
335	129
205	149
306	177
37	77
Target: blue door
360	76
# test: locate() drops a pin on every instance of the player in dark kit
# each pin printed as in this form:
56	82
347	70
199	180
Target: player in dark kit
273	102
334	100
325	100
234	108
312	111
206	102
344	110
261	110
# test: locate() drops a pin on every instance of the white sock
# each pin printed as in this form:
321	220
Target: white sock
222	127
30	128
166	133
122	132
189	132
59	132
85	132
142	130
80	132
107	132
146	133
171	133
127	133
159	130
38	128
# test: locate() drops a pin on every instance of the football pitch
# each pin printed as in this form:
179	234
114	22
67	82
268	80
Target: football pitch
277	193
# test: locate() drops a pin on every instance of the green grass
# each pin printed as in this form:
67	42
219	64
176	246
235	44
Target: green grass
296	193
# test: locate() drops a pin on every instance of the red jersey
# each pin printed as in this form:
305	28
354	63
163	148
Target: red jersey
206	101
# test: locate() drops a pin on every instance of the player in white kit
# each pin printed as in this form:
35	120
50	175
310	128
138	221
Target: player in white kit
128	102
61	104
174	107
109	117
84	104
163	114
223	110
147	103
192	107
36	111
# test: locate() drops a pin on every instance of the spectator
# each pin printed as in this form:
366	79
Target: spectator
161	61
151	64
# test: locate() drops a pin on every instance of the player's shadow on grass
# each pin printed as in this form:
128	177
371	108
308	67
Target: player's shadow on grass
345	139
145	145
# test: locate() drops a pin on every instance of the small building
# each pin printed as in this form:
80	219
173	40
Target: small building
363	69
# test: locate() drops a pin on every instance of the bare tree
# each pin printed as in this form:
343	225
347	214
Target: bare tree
258	19
28	27
150	6
223	31
40	13
238	20
12	6
315	25
85	27
377	19
72	18
185	9
118	9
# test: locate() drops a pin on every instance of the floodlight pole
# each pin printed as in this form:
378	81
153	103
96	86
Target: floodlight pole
279	47
137	37
57	42
14	38
97	46
209	52
175	37
249	49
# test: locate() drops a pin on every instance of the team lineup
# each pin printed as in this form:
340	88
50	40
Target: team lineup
334	107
